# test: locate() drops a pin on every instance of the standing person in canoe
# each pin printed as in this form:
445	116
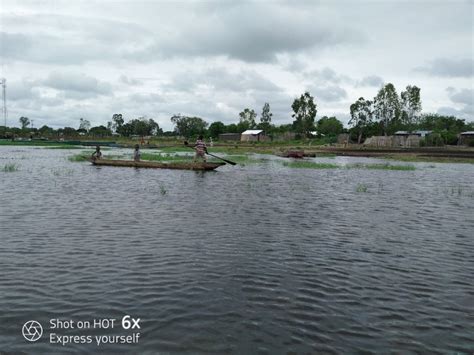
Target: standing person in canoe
201	149
136	153
97	155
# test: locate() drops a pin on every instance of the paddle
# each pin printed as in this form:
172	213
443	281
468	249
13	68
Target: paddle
212	155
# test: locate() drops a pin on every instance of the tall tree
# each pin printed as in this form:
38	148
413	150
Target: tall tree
117	122
188	126
361	116
84	125
305	111
247	119
266	118
387	106
25	122
411	105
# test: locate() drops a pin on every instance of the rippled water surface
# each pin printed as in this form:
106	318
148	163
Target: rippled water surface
249	259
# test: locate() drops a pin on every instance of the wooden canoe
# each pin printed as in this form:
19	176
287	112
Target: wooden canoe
157	165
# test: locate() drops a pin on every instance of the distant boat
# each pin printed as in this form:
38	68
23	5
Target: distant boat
157	165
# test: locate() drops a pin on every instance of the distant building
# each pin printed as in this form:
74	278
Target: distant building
253	135
316	133
466	138
229	137
420	133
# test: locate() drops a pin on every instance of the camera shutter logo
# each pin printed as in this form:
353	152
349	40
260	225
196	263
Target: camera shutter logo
32	330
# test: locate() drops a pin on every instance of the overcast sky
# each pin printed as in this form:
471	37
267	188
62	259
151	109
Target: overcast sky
64	60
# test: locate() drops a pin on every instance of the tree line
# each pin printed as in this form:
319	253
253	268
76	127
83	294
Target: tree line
385	114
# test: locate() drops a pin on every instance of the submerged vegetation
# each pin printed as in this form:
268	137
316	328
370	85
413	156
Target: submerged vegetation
361	188
316	165
10	168
310	165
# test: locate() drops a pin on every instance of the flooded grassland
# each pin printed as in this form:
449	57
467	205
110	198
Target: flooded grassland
334	255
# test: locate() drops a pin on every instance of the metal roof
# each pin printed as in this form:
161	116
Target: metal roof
467	133
253	131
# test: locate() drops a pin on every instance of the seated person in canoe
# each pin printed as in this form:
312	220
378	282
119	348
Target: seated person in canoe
97	154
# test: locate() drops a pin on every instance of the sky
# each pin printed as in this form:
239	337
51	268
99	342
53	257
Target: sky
66	60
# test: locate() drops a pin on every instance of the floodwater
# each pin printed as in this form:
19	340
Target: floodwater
259	258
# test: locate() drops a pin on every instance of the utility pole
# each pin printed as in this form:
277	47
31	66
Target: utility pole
4	106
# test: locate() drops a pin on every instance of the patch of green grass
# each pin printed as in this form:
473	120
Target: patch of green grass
10	168
361	188
309	165
166	157
382	167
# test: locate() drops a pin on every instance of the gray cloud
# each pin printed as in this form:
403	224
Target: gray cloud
20	90
463	96
327	75
445	67
222	79
329	93
64	39
214	59
451	111
76	85
249	32
123	79
371	80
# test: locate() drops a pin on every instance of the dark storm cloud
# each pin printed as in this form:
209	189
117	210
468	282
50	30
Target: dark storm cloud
445	67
